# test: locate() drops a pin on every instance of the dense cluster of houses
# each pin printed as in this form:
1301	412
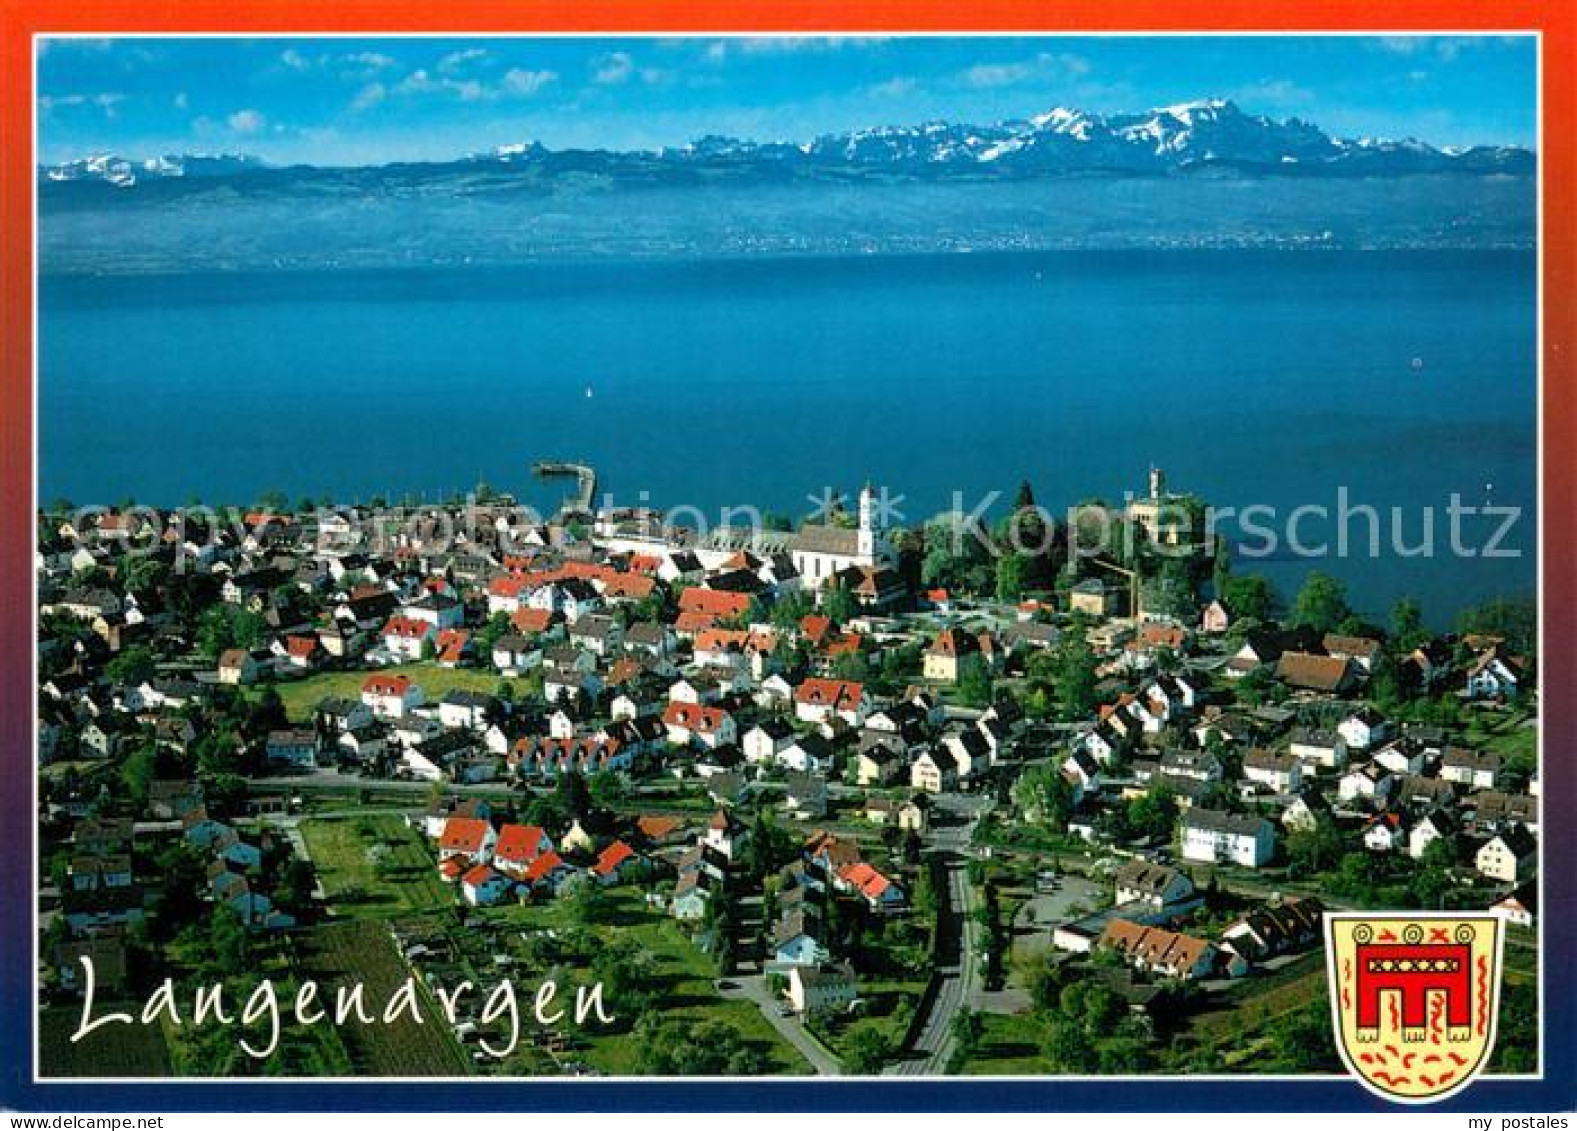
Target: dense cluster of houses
1150	899
1245	778
492	862
638	649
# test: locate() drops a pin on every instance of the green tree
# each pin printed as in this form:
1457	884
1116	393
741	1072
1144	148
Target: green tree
958	554
1012	570
866	1050
1321	604
1044	796
975	688
1313	849
1074	673
1515	620
1247	597
839	604
1153	814
131	667
232	949
1407	625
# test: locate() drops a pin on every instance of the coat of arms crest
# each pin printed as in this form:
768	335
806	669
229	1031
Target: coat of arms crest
1414	998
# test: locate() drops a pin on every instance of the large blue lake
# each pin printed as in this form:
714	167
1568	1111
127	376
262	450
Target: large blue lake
1269	378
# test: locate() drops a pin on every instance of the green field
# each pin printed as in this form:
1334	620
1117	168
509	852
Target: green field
374	867
301	696
1009	1046
364	952
682	982
113	1051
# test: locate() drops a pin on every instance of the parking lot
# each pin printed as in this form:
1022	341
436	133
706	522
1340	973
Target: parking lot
1074	897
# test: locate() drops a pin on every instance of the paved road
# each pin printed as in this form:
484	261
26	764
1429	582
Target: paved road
958	976
754	988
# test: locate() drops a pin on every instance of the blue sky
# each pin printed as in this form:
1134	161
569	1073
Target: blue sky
366	100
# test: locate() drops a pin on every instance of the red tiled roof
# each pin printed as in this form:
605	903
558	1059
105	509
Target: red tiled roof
846	645
721	640
693	716
519	844
386	685
839	694
479	875
695	622
543	866
867	879
656	828
1316	673
611	857
628	585
530	621
716	602
815	627
407	628
509	586
464	834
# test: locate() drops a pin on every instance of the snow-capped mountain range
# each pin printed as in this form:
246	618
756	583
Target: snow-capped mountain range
1193	136
123	172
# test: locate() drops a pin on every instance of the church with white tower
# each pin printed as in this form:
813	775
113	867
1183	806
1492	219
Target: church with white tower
822	551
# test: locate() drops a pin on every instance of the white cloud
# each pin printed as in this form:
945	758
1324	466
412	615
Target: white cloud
894	87
516	83
460	60
1042	66
108	102
1274	93
295	60
613	69
246	121
368	96
526	83
373	59
180	101
1402	44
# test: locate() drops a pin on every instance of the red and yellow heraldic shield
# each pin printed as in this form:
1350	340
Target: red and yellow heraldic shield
1414	998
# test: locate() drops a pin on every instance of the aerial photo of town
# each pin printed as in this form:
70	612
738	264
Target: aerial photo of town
451	664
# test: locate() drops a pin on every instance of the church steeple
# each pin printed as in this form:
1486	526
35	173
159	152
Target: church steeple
866	547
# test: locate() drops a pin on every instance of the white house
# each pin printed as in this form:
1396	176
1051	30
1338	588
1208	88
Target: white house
391	696
1281	773
1323	748
484	886
405	638
1439	825
1491	677
1385	832
1511	856
689	723
766	740
1154	885
513	654
932	773
1364	728
1366	783
823	700
817	989
467	838
1470	768
466	709
1212	837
